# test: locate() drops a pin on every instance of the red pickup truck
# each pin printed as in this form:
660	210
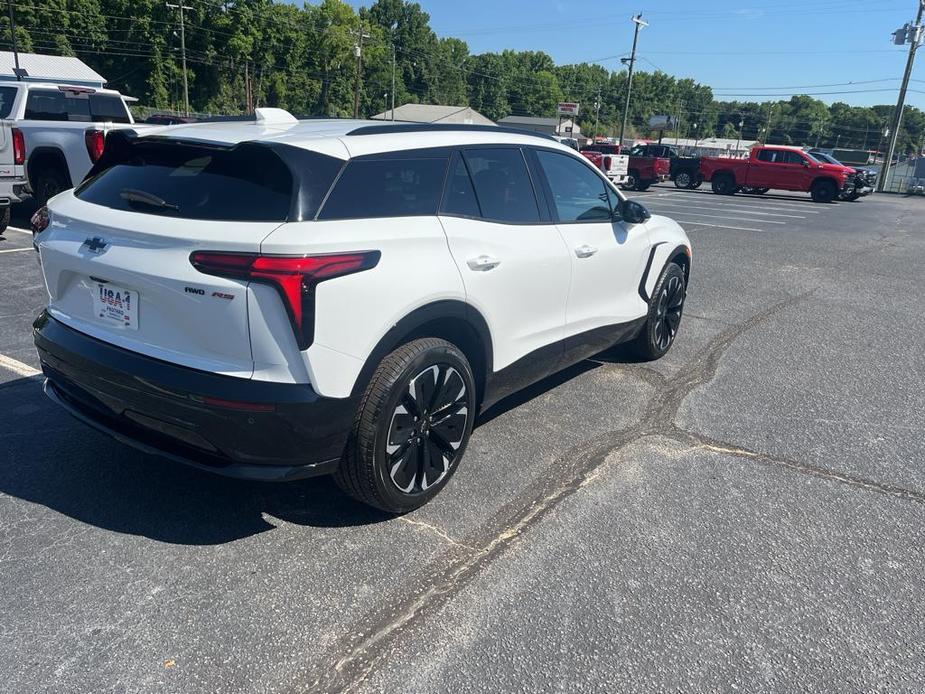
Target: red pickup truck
643	171
778	167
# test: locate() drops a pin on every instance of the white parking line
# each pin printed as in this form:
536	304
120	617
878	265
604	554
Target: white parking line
17	367
738	219
775	202
16	250
21	231
744	206
736	210
718	226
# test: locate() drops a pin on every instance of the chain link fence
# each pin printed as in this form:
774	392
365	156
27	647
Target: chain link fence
907	177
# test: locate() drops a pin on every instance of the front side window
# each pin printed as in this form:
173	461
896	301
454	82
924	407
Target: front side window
387	187
792	158
578	192
502	184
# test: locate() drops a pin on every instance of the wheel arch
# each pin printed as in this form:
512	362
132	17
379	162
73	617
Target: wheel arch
452	320
47	156
661	254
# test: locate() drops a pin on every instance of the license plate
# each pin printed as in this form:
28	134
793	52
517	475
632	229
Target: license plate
117	305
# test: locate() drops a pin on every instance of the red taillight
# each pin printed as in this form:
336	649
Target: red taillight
39	220
608	163
95	140
19	147
295	277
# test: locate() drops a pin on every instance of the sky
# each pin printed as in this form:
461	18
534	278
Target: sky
747	50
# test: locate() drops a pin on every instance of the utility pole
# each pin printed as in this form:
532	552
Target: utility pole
597	111
911	35
182	9
392	33
767	130
20	73
358	49
637	20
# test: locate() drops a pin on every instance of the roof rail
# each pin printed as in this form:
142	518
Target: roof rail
442	127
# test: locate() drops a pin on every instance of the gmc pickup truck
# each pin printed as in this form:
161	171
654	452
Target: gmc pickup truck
614	166
777	167
61	129
643	171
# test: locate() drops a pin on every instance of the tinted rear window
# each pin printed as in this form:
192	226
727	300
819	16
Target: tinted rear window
7	95
505	192
387	187
75	106
246	183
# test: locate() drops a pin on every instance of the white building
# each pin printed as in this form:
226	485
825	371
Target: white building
50	68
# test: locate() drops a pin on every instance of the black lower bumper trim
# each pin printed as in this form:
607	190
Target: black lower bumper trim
162	408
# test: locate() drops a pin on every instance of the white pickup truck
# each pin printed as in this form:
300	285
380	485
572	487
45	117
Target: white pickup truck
50	135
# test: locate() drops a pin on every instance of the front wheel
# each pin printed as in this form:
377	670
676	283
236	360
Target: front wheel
47	184
412	427
823	191
664	318
683	180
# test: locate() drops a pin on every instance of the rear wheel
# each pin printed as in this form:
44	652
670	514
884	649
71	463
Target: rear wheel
632	178
47	183
642	185
411	428
664	318
698	181
683	180
823	191
723	184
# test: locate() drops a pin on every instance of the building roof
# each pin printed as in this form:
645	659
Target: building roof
433	113
54	68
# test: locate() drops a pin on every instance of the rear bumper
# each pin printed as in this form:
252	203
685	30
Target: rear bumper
284	431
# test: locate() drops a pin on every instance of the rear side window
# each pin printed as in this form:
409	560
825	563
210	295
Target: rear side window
387	187
246	183
7	95
502	184
48	104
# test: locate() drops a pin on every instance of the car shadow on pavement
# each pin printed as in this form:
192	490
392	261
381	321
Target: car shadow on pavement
53	460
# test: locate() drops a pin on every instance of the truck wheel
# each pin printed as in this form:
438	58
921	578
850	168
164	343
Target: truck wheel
723	184
411	428
698	181
47	183
761	191
4	219
629	183
642	185
683	180
823	191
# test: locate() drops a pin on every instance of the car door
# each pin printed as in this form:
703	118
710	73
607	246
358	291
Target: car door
763	172
608	256
512	259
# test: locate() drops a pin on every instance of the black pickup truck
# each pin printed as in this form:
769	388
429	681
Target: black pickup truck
685	171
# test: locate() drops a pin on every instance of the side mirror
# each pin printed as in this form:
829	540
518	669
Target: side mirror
635	212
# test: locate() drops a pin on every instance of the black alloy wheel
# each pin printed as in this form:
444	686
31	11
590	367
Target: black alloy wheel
668	312
427	429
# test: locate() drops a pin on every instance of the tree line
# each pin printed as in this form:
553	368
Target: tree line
243	54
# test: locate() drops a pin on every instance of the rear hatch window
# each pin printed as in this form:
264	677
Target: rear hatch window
248	182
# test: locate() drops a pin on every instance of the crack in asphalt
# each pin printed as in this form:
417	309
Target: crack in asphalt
365	648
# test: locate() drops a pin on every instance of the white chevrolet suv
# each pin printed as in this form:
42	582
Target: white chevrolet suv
280	298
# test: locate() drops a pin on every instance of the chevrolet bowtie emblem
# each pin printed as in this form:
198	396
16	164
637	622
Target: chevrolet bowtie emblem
95	244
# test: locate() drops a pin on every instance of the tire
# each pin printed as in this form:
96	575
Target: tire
761	191
4	219
698	181
632	178
664	317
48	182
823	191
723	184
642	185
393	458
683	180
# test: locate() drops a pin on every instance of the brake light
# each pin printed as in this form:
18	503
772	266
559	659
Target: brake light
19	147
294	277
607	163
95	140
39	220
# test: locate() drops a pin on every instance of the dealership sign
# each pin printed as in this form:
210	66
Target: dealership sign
567	108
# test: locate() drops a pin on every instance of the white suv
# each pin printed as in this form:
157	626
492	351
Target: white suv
281	298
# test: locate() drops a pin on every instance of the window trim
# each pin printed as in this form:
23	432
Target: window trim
592	168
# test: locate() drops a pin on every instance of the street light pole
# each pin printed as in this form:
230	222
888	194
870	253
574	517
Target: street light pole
182	7
637	20
392	32
359	53
916	30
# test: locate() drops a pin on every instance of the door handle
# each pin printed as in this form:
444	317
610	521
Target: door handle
585	251
483	263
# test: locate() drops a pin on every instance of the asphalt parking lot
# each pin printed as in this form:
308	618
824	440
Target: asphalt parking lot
745	514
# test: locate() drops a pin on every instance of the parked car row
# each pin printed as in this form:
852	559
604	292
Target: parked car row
643	170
